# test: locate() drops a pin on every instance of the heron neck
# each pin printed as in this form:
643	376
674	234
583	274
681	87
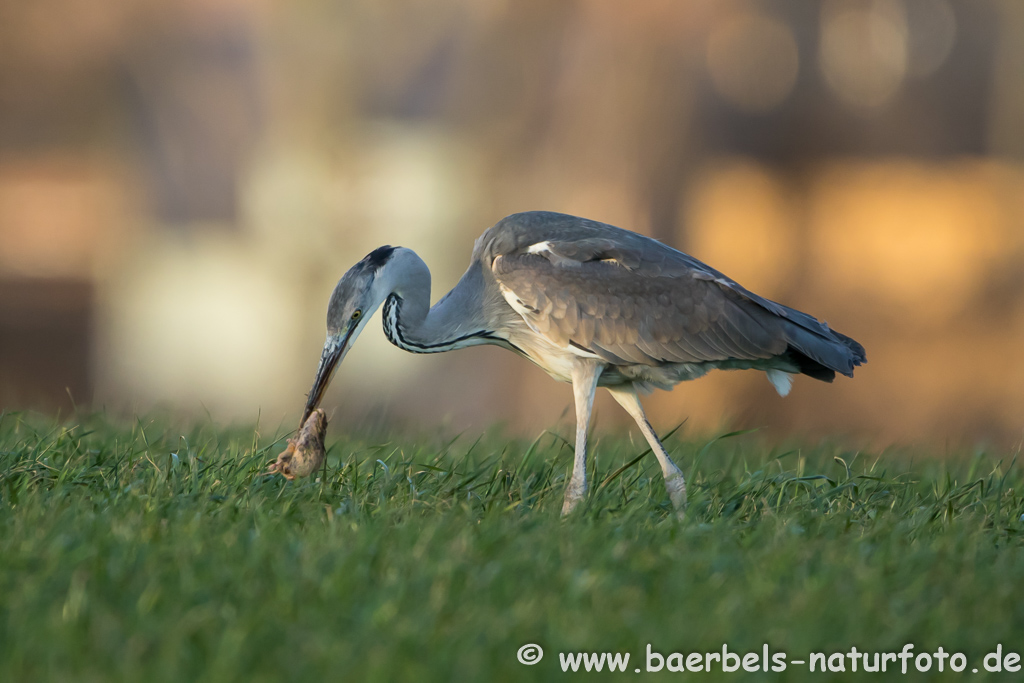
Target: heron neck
410	323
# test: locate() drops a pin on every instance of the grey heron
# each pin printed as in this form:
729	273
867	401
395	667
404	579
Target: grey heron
592	305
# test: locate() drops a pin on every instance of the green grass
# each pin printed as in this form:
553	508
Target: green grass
151	552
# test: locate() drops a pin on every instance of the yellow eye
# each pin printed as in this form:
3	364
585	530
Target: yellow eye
356	314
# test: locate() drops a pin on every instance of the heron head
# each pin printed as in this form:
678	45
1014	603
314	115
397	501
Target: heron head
355	298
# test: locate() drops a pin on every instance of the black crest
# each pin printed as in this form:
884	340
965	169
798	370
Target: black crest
379	256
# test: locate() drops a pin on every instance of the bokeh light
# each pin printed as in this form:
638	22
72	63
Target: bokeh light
864	49
932	35
753	61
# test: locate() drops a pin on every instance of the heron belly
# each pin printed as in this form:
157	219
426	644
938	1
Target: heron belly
558	361
552	359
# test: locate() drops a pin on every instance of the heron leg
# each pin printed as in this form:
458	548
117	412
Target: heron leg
584	384
674	481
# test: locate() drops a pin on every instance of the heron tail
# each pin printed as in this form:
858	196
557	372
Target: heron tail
822	353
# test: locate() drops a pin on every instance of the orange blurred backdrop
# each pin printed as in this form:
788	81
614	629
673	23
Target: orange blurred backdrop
182	183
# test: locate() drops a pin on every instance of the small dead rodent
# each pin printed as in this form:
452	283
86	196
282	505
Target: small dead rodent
305	453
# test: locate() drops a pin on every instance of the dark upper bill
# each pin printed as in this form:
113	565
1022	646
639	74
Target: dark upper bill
334	351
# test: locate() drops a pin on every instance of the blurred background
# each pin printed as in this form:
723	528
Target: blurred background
182	183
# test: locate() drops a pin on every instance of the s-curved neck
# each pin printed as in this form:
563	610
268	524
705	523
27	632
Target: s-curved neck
411	324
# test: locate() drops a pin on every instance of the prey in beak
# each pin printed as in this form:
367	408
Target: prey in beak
305	453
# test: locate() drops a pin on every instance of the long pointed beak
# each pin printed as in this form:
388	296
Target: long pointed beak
334	350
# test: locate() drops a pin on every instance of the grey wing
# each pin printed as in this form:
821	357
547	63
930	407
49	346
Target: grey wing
649	306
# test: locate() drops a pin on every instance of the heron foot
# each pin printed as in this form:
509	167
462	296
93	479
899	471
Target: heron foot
575	492
676	487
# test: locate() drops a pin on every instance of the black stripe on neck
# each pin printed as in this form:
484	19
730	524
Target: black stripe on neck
393	331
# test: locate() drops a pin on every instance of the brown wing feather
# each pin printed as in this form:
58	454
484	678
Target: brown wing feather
614	307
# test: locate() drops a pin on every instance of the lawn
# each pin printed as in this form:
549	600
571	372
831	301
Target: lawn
150	551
